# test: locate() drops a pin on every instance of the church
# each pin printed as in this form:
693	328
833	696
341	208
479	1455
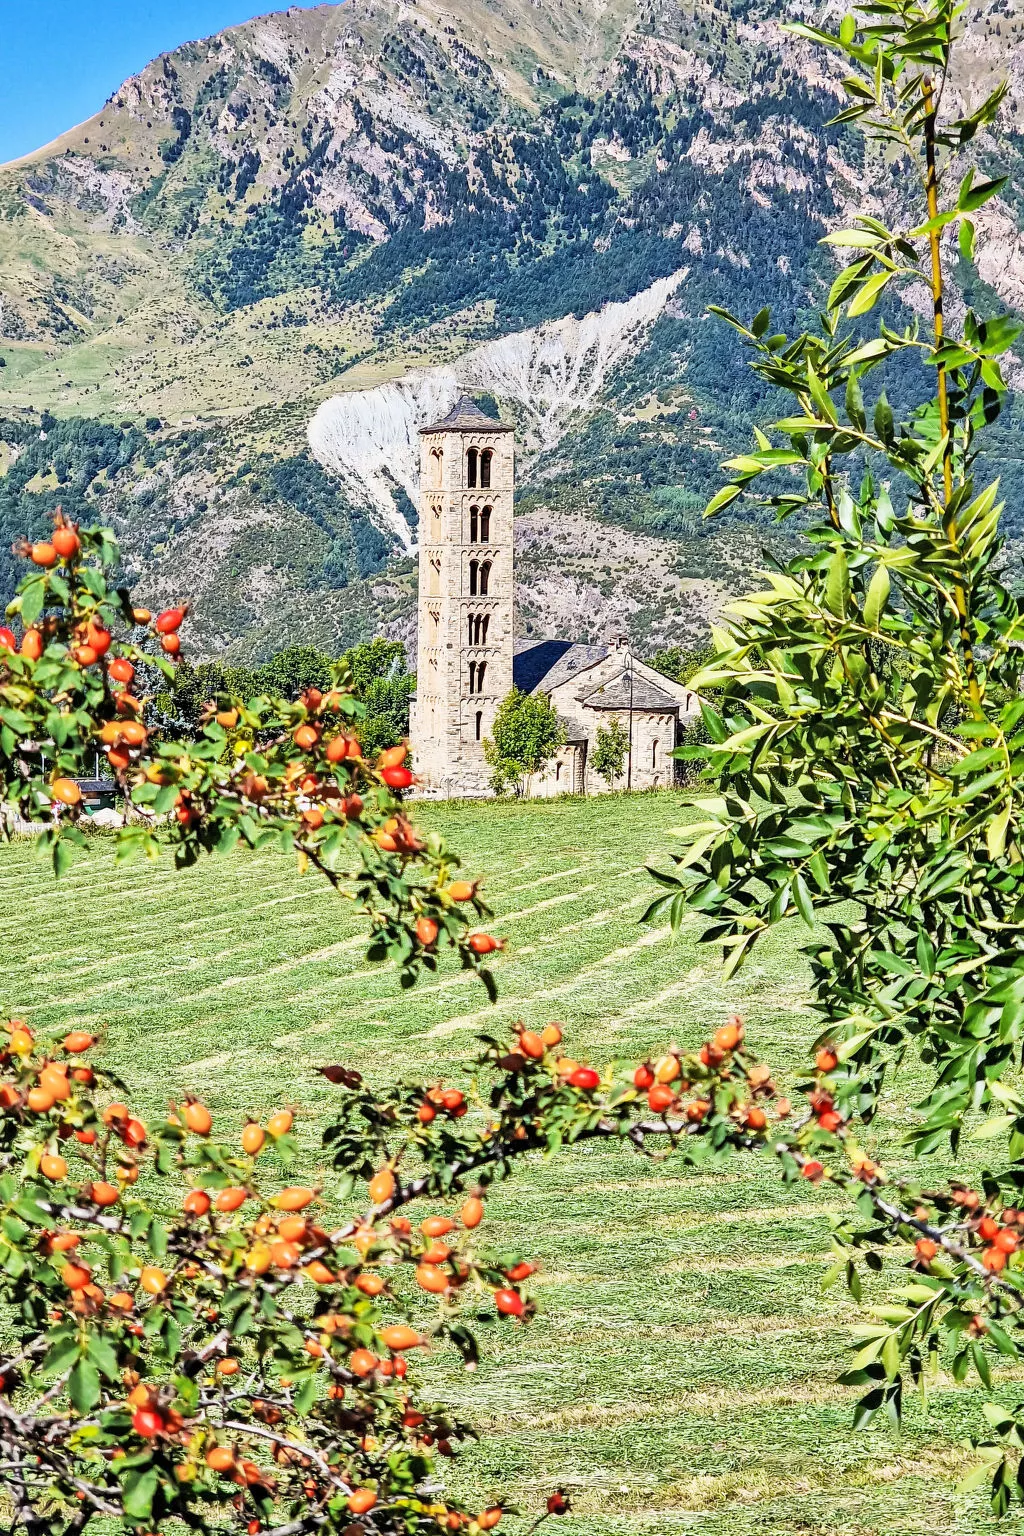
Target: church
468	659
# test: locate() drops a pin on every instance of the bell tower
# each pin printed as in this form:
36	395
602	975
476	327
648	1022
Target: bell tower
466	587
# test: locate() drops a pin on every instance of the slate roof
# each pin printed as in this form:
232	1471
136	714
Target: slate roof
646	696
551	662
466	416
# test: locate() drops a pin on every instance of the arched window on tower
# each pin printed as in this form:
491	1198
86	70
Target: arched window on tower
481	668
474	524
479	723
472	677
435	619
434	581
485	525
474	571
484	622
485	468
436	468
485	576
471	462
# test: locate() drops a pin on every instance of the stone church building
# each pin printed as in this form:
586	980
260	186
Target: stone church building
468	659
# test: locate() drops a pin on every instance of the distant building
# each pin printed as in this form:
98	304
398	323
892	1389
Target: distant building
467	658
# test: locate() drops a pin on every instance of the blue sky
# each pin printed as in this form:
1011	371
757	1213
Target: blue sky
60	59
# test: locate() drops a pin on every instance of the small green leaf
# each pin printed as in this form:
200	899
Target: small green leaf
837	587
722	499
995	832
84	1385
876	597
971	198
855	403
33	598
868	293
139	1490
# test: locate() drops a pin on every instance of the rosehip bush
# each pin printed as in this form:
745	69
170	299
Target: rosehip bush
223	1351
76	684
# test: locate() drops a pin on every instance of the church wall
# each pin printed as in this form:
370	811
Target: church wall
570	771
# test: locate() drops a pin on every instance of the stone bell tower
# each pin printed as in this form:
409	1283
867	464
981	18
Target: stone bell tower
466	586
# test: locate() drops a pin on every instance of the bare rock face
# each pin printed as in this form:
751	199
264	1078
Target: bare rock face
546	376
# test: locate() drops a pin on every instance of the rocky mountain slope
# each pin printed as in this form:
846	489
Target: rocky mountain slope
239	288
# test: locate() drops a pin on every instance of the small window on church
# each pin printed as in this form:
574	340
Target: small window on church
485	576
474	569
471	462
481	668
484	623
474	524
654	753
479	723
472	677
558	772
485	469
485	525
435	577
436	467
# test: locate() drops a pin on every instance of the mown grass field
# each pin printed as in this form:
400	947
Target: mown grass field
681	1372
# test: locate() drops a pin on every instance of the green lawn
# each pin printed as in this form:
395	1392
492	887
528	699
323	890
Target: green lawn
679	1373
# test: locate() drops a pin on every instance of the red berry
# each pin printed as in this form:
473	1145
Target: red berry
643	1077
8	641
397	778
66	542
147	1423
585	1077
170	620
509	1303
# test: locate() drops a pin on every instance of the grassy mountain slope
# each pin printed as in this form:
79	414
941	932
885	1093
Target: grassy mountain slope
322	200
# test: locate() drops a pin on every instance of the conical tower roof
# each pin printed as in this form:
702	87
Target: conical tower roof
465	416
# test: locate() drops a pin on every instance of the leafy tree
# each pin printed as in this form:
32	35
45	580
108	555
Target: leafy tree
291	671
383	684
374	659
868	743
527	734
610	748
681	664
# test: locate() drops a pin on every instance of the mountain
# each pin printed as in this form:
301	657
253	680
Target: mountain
237	289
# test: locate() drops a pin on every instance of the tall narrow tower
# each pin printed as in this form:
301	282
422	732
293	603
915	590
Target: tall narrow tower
464	660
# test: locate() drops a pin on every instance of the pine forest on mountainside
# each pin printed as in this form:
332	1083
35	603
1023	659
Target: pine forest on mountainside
323	200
